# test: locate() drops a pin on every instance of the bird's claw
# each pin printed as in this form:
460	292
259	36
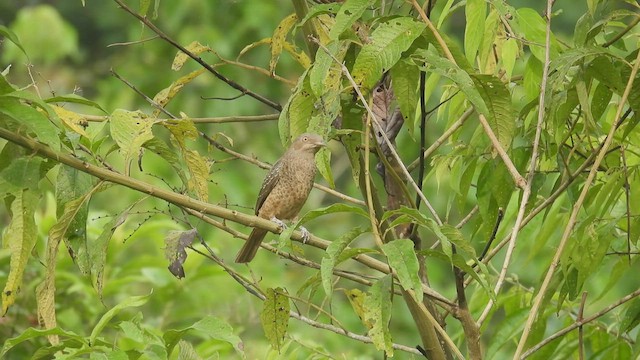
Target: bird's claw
279	222
306	235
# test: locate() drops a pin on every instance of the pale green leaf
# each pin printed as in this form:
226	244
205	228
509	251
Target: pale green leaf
279	38
475	13
130	130
402	258
377	312
330	258
350	11
132	301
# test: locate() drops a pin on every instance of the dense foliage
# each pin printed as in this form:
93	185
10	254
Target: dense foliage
481	197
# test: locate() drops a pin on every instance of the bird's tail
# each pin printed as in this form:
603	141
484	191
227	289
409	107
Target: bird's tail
251	246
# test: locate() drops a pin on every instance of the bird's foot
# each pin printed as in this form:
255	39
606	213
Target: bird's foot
279	222
306	235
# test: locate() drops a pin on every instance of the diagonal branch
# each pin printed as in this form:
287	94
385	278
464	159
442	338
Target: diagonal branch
574	215
199	60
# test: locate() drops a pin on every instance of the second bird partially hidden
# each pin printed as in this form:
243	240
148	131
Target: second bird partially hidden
285	189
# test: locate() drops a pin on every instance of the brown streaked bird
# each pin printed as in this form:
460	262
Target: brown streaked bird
285	189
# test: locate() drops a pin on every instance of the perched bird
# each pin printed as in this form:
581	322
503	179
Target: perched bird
285	189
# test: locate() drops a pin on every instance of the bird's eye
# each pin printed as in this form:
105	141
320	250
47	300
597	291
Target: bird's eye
305	139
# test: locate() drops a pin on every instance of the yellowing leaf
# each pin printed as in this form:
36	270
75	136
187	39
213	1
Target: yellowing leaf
130	130
356	298
20	237
199	171
165	95
72	120
195	47
275	317
182	130
279	38
377	306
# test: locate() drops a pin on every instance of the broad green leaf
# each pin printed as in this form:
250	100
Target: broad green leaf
510	52
405	77
501	115
631	317
33	333
5	86
75	99
600	100
33	120
475	13
133	301
130	130
387	43
211	326
534	28
323	162
349	13
319	9
275	317
11	36
330	258
181	58
326	73
279	38
377	313
72	184
294	119
20	237
22	173
402	258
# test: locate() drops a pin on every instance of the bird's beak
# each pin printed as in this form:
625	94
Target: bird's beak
320	143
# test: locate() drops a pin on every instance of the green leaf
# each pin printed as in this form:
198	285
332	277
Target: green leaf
163	150
501	115
275	317
534	28
405	77
133	301
402	258
387	43
349	12
377	313
319	9
323	162
11	36
631	317
510	52
76	99
5	86
33	333
475	13
20	237
35	121
72	184
21	173
294	119
211	326
198	166
330	258
326	73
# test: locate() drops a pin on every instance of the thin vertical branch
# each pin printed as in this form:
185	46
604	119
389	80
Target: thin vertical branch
532	166
574	215
580	329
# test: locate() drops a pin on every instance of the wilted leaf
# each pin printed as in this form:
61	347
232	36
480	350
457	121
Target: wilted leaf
377	312
199	174
130	130
175	243
20	237
279	38
195	48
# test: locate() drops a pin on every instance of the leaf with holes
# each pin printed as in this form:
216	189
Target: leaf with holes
275	317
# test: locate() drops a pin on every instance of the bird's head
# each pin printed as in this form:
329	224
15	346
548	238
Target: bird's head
308	142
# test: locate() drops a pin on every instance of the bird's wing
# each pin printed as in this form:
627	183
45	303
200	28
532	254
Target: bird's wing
268	184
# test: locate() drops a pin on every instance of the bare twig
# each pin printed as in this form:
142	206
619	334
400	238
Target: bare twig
532	166
578	324
574	214
580	329
198	59
201	120
619	36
